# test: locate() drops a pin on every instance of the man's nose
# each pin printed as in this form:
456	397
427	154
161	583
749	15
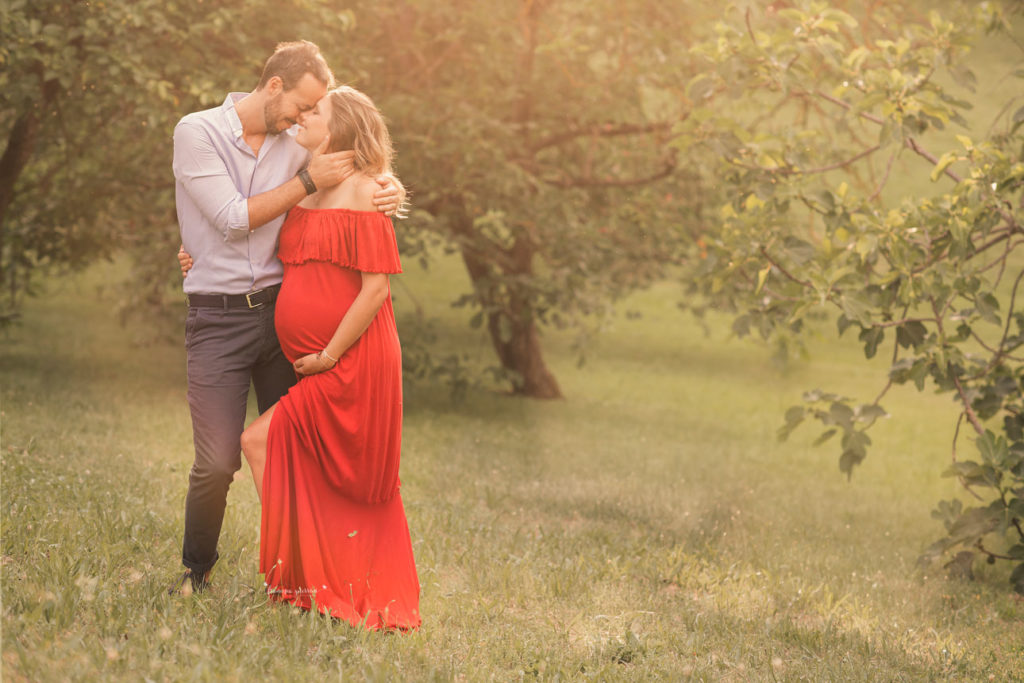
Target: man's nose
302	117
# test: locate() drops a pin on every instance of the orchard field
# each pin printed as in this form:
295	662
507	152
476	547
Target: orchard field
647	527
581	172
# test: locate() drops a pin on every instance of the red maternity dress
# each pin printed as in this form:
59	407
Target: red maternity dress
333	531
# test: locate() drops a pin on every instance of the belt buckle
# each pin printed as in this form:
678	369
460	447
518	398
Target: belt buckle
249	302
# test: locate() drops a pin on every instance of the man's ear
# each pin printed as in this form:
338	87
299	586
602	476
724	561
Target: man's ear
274	86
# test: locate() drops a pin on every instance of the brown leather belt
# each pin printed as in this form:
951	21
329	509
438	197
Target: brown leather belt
257	299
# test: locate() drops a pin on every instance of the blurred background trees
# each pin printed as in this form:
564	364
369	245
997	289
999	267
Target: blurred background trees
532	135
534	140
89	95
780	158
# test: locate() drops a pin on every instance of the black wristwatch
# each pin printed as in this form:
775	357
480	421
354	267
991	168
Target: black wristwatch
307	181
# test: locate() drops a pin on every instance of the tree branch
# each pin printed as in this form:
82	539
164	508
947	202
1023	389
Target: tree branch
885	176
803	283
567	182
992	554
956	436
904	321
792	170
600	130
909	141
971	415
1009	319
895	357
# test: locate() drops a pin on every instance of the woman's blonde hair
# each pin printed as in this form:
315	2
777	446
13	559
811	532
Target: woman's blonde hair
357	124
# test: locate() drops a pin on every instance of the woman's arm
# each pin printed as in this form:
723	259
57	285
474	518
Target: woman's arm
358	317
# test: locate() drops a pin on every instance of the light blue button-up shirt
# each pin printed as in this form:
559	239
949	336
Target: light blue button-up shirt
215	173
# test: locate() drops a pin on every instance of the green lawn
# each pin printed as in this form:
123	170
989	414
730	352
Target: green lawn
646	527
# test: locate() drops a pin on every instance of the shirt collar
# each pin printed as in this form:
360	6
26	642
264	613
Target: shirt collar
235	123
231	115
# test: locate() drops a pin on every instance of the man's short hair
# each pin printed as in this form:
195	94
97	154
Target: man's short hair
291	61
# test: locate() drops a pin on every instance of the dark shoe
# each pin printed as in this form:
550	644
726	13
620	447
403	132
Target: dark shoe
197	584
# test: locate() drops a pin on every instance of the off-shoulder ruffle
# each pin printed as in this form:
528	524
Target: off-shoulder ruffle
361	240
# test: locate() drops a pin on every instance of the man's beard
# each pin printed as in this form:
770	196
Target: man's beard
272	114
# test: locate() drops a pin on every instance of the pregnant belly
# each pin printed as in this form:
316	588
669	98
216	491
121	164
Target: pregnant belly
314	298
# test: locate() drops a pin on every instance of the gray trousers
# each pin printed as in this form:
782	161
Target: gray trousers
227	349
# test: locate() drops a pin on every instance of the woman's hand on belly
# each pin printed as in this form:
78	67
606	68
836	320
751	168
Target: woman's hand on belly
313	363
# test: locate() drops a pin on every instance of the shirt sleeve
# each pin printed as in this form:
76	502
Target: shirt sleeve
204	176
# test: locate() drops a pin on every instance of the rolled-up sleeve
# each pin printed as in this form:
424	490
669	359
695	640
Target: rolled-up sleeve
204	176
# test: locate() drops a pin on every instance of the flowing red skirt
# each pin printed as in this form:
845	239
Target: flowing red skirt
334	533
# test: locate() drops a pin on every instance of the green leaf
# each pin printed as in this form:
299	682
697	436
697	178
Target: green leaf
966	469
869	412
841	414
911	333
818	395
964	77
1018	116
973	524
842	16
974	474
987	306
935	551
919	373
993	449
856	306
701	87
762	278
848	460
856	57
871	337
1017	578
947	512
795	415
800	251
825	436
856	442
944	162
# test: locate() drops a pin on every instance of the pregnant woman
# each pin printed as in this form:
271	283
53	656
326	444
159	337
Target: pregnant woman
325	459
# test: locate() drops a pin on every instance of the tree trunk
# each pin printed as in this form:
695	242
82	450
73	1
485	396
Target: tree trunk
513	329
21	142
518	347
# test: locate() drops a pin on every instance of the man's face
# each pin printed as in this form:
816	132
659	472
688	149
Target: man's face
284	107
315	124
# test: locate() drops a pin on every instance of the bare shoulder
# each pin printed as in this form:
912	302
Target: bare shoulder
363	189
355	193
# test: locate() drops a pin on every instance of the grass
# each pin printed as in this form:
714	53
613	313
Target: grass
647	527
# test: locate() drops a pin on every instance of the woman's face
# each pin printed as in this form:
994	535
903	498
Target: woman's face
313	124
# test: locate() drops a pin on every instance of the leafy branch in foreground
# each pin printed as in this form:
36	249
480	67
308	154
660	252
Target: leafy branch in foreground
815	224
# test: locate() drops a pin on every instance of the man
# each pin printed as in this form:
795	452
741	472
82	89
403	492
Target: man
237	170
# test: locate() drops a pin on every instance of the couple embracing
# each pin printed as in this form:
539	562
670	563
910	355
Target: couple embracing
283	198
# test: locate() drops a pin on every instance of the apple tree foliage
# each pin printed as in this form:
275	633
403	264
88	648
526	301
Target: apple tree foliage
89	95
533	136
806	115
